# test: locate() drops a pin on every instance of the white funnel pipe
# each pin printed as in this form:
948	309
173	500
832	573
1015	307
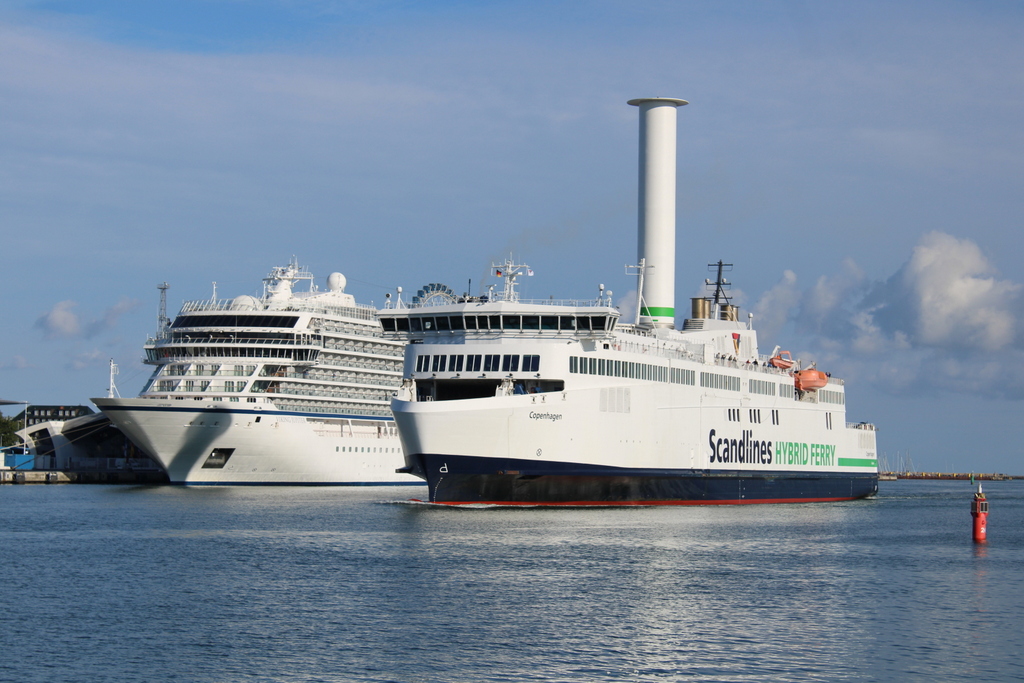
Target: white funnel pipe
657	219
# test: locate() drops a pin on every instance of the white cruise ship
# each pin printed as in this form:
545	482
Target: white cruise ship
508	401
288	388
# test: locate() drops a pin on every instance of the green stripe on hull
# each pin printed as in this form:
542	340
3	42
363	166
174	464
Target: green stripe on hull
658	311
857	462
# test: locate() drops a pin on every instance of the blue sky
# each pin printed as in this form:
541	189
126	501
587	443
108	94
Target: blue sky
859	163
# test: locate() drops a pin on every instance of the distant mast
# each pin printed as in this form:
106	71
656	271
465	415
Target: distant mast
162	321
112	389
656	245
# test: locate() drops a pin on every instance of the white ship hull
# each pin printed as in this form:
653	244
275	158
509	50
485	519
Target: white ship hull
224	444
636	442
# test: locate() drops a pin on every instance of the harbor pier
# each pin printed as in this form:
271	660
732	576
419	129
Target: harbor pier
82	477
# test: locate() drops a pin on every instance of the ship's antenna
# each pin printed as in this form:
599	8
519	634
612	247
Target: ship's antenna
720	284
508	271
112	389
639	286
162	321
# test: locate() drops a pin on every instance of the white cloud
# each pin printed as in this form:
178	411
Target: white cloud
88	359
16	363
60	321
959	303
933	325
108	320
627	306
826	299
776	306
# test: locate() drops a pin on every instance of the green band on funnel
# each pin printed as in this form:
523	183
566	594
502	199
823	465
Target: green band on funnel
658	312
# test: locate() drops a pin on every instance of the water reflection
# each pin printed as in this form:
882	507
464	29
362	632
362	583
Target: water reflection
343	584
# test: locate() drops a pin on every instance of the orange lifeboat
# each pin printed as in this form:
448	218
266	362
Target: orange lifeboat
782	360
806	380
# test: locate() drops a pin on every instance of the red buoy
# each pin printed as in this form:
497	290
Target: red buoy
979	511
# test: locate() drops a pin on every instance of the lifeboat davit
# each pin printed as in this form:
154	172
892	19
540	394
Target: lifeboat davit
782	360
806	380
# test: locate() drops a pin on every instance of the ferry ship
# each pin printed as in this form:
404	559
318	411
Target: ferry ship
515	402
288	388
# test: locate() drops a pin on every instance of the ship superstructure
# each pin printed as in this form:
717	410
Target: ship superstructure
511	401
291	387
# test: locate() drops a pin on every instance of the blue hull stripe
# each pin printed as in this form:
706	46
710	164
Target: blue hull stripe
461	480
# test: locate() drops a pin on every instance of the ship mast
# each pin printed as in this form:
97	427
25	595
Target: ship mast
162	321
720	284
640	268
112	389
508	271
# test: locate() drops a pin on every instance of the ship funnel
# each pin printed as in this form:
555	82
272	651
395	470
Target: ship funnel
656	245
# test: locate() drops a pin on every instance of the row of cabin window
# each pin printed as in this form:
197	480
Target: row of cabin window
241	337
713	380
477	363
235	321
209	370
200	385
826	396
622	368
759	386
554	323
228	352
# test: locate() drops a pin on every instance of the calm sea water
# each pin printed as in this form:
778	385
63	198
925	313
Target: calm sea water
109	583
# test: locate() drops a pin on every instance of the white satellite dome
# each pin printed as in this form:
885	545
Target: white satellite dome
336	282
245	303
